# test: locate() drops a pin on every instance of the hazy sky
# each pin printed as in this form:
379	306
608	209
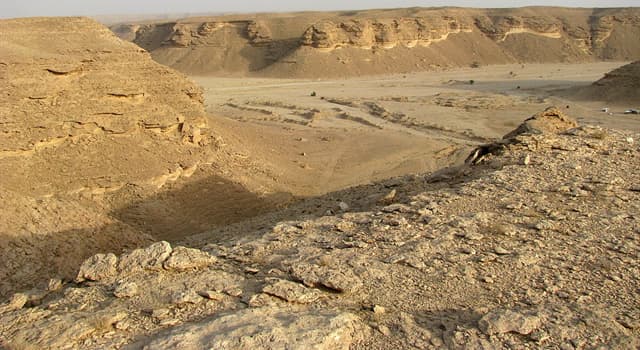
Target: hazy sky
26	8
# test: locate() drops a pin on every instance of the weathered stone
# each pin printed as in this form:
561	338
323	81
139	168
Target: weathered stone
66	329
98	267
186	297
149	258
501	251
551	120
265	328
211	295
389	197
506	321
377	309
291	292
126	290
16	302
262	300
314	276
54	284
402	208
188	258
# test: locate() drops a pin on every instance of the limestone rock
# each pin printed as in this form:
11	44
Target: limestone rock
16	302
389	197
506	321
551	120
149	258
126	290
291	292
265	328
211	295
381	33
183	258
186	297
315	275
84	114
258	33
98	267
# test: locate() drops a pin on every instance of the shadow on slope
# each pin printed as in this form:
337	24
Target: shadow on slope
196	206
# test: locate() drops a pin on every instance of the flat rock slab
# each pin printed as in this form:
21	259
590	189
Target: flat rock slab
266	328
341	280
292	292
188	258
506	321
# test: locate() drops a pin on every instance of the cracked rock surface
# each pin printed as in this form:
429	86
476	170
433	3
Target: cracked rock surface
499	253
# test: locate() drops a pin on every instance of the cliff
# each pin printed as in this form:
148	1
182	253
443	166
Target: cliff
304	44
84	115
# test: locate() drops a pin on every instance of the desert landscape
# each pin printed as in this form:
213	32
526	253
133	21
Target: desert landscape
420	178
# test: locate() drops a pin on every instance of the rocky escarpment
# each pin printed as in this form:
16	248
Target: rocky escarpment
370	42
83	116
533	243
499	28
216	45
91	92
581	39
387	34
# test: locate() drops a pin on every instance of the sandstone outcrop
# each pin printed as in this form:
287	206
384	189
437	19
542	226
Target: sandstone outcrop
370	42
387	34
84	116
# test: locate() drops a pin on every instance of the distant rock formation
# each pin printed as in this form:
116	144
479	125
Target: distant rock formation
386	34
302	44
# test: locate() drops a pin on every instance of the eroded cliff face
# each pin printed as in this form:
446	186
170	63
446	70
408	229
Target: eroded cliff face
203	47
384	33
89	94
209	33
423	31
499	28
84	115
298	45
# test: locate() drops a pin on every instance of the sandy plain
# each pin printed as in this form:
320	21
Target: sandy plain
359	130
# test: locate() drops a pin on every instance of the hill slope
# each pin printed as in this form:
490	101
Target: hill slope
88	122
621	85
387	41
533	243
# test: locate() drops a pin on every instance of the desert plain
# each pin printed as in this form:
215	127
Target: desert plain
411	178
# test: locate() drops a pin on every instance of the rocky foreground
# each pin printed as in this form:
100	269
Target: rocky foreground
534	243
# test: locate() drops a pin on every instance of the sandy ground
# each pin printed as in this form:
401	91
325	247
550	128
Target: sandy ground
358	130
